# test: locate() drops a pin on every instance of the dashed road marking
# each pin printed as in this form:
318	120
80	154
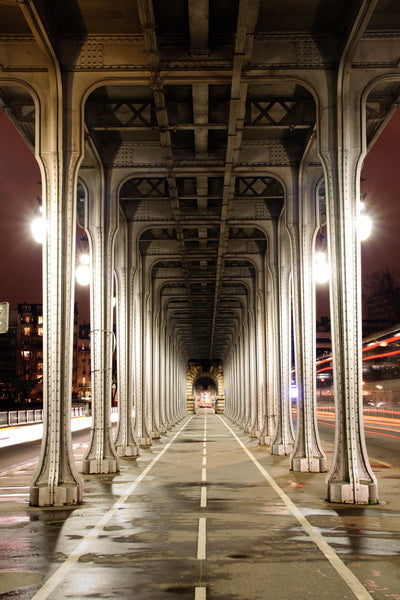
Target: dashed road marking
201	540
200	593
204	474
203	497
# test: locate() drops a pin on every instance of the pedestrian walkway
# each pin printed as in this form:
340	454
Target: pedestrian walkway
206	514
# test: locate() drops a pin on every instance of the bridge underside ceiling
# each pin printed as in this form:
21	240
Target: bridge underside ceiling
200	137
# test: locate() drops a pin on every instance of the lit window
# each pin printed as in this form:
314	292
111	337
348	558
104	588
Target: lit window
40	320
27	331
26	354
27	319
40	331
83	380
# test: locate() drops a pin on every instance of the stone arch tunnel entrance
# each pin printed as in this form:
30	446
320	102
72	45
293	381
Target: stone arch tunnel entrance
204	391
205	386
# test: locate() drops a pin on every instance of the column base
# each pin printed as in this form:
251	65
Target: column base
91	466
264	440
308	465
282	449
254	433
347	493
127	451
61	495
155	435
145	442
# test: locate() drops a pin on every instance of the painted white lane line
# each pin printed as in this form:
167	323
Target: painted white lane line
348	576
82	547
204	450
21	466
204	444
204	474
204	462
14	495
201	541
200	593
203	497
14	487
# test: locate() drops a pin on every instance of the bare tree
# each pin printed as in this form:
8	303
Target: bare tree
382	295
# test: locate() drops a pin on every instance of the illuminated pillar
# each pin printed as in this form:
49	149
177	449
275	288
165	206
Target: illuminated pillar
56	481
125	441
254	431
148	364
283	440
101	228
263	437
163	406
142	432
307	455
350	478
271	367
158	424
244	412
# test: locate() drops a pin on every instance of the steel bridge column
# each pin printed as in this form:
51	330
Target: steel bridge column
350	478
254	431
260	360
56	481
270	329
239	381
244	412
168	379
142	432
101	229
283	440
148	366
156	374
125	441
308	454
163	374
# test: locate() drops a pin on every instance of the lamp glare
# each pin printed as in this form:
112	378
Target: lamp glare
38	228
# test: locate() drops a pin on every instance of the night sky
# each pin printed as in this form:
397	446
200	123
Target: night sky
21	256
20	264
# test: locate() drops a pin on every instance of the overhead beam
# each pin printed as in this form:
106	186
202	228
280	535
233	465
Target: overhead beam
199	27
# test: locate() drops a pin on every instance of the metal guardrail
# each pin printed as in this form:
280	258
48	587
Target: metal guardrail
24	417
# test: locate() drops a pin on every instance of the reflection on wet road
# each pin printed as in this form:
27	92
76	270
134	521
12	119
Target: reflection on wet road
205	514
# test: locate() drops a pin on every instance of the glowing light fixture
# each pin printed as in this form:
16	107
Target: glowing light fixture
38	227
364	222
321	267
83	272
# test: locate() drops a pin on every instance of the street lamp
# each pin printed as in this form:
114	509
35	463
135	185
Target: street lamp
321	265
364	222
83	273
38	227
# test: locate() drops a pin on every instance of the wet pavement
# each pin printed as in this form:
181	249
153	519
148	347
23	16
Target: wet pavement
205	514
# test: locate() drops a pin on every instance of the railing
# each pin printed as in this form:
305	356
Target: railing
23	417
